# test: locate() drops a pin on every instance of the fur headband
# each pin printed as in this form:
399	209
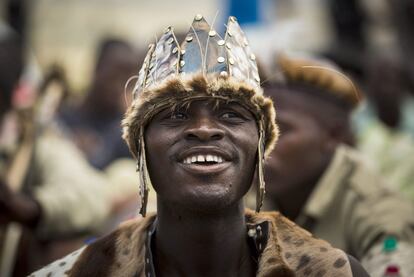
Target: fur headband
185	89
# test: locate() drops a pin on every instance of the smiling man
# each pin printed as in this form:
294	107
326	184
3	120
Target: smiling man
200	128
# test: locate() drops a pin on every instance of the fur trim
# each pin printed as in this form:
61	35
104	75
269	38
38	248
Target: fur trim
179	90
320	74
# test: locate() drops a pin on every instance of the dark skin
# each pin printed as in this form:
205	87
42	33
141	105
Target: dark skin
305	148
201	228
15	206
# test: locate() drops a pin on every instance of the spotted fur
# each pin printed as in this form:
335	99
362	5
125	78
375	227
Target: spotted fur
289	251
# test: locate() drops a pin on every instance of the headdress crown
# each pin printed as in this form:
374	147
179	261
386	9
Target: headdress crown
202	51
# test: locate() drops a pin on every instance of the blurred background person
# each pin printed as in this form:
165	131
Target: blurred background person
48	192
316	178
94	124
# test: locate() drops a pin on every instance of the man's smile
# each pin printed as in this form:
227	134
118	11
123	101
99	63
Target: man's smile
205	160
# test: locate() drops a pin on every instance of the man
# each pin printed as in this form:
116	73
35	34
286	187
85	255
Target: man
316	179
94	125
200	128
47	189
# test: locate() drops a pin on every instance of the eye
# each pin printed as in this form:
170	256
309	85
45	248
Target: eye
178	116
230	115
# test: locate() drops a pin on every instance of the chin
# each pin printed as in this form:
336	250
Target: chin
213	199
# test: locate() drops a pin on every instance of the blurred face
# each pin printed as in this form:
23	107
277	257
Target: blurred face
303	150
202	157
111	76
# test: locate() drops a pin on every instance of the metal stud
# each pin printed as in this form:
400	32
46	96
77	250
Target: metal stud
212	33
182	63
231	61
252	57
175	50
198	17
167	30
144	66
170	40
257	79
229	33
221	42
228	45
189	38
233	19
246	43
221	59
224	74
182	52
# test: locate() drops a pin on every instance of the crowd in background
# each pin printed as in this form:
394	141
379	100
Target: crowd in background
67	176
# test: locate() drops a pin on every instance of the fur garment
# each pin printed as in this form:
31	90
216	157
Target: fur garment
287	251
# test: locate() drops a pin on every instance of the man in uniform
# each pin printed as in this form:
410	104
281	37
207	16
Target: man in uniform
317	179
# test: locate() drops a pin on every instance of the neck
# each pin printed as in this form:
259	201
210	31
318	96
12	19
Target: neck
292	202
193	244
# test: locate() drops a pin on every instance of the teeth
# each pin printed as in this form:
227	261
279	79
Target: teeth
203	158
209	158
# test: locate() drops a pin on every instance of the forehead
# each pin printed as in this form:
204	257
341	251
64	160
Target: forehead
299	101
209	104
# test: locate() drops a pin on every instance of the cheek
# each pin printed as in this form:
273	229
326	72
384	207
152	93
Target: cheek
248	140
156	144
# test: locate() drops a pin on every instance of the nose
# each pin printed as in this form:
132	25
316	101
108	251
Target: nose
204	129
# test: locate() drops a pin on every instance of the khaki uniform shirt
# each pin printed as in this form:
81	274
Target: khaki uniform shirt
352	208
392	154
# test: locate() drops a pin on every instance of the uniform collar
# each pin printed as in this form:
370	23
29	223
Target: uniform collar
330	184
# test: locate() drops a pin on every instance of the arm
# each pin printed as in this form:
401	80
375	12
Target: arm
73	196
376	214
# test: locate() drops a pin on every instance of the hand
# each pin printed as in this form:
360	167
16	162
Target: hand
17	207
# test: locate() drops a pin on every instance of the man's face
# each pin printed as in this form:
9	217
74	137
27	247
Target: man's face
202	157
303	149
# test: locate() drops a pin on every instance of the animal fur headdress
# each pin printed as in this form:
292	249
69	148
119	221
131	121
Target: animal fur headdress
204	66
322	75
